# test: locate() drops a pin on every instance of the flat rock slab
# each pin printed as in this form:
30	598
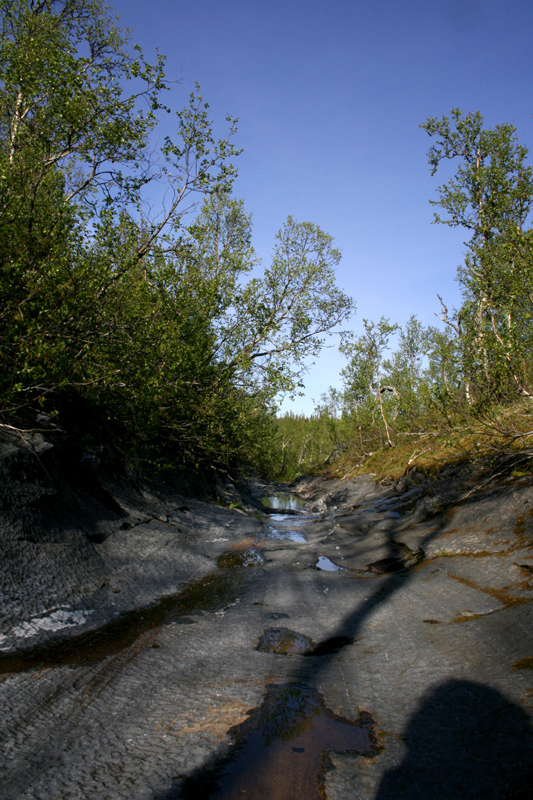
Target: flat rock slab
430	663
431	595
507	575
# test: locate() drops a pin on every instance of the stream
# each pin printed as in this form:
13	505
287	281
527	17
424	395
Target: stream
356	652
279	751
285	525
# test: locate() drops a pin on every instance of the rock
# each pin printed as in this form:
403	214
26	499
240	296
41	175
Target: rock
285	642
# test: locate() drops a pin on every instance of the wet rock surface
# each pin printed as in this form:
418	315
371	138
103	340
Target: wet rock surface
284	642
129	659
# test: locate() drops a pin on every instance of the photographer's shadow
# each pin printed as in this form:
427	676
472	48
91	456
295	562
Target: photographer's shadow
465	741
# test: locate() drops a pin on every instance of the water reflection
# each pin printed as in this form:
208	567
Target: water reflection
328	565
285	523
290	535
284	502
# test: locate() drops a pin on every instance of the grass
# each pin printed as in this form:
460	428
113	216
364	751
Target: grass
501	440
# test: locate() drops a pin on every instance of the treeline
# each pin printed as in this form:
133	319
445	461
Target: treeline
126	299
403	381
132	303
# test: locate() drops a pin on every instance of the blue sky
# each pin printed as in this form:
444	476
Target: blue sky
330	95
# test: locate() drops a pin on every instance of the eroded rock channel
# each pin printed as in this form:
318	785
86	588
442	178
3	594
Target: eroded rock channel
349	640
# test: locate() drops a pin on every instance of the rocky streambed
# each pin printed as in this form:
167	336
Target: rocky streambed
352	640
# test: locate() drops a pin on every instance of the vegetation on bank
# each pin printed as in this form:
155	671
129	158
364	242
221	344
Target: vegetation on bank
501	443
138	317
151	323
424	396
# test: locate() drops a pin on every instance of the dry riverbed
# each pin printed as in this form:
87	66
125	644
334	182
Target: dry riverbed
363	642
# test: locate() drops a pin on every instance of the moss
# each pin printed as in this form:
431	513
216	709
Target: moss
502	440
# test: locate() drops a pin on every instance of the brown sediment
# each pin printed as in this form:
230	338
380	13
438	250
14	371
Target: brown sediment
527	698
469	554
524	525
285	642
498	594
244	544
281	750
524	663
214	720
240	558
505	599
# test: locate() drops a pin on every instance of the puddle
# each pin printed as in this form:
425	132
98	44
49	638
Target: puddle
283	502
280	752
240	558
284	642
208	594
387	566
291	536
328	565
288	524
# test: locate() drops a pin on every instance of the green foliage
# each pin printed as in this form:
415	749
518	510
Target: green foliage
278	321
367	393
491	191
309	442
404	382
152	325
491	196
167	331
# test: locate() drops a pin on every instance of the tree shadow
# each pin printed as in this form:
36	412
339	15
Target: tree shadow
467	741
349	628
221	774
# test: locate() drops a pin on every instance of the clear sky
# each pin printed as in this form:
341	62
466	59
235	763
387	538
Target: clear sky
330	95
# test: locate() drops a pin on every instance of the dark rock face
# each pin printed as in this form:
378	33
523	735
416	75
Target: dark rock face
75	527
48	490
47	528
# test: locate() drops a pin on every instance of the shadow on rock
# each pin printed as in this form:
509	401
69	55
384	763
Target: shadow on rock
464	741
